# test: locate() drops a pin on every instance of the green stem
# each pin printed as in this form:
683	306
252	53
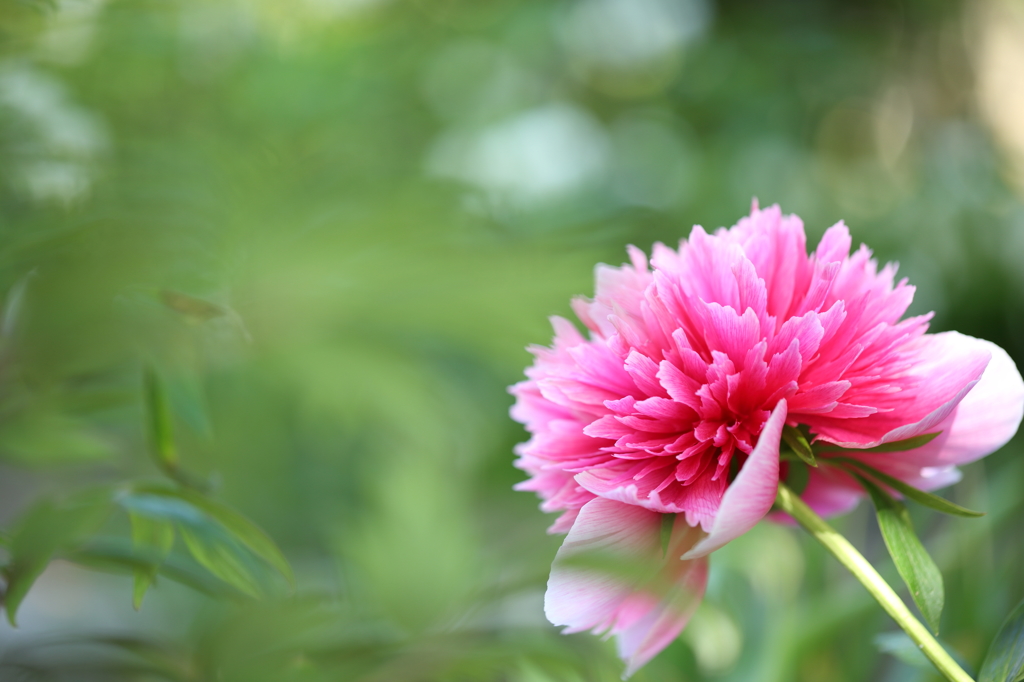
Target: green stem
848	556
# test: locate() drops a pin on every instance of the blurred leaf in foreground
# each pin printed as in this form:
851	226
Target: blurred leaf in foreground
155	536
158	415
43	531
221	539
1005	659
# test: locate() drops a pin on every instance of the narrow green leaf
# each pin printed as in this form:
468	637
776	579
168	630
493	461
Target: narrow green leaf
241	528
152	536
142	578
921	497
912	561
667	522
116	555
222	558
43	531
192	308
32	546
895	446
161	507
213	545
184	390
158	416
198	310
899	645
13	303
798	443
1005	659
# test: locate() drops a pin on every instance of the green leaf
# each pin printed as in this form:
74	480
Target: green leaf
43	436
192	308
31	552
221	557
895	446
161	507
796	440
921	497
158	416
201	524
13	304
198	310
241	528
43	531
899	645
184	390
1005	659
667	522
117	555
912	561
153	536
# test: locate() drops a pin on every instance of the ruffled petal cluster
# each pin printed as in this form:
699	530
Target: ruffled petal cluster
694	360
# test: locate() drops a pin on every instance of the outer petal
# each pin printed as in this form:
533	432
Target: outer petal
984	420
749	498
645	639
948	366
648	601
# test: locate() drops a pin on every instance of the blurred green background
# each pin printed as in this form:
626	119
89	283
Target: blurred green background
381	201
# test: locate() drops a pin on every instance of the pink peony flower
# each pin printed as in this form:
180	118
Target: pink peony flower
676	401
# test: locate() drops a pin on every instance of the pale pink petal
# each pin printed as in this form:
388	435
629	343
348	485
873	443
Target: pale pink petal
981	423
583	600
643	640
985	419
748	498
646	608
831	491
563	524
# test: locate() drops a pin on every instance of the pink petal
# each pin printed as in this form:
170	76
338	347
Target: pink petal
645	639
581	599
830	491
835	244
945	368
646	611
749	497
985	419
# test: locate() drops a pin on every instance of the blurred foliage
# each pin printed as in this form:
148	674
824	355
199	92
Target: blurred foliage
332	226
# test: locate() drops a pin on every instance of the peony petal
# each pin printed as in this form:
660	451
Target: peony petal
642	641
646	609
830	491
749	498
945	368
581	599
983	422
985	419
